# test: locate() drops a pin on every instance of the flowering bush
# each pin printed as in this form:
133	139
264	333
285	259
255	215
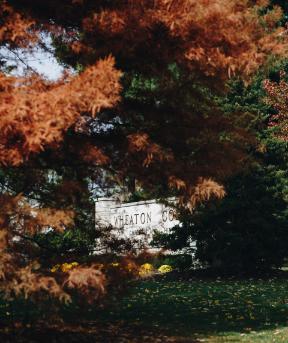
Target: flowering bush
165	268
55	268
146	269
65	267
124	269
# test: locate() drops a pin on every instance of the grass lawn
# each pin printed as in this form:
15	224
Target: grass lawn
209	311
194	311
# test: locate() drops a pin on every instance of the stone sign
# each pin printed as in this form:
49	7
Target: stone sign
136	219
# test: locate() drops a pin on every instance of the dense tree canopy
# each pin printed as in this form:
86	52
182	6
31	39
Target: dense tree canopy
140	104
185	56
247	230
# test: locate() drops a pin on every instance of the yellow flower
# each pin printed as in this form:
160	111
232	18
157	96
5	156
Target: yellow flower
146	269
65	267
55	268
147	266
165	268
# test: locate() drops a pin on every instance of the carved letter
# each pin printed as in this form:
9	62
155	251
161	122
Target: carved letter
164	216
126	219
131	220
149	217
142	218
136	216
121	221
171	215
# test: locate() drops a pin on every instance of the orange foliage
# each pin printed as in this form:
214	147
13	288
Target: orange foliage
88	281
27	219
140	142
19	220
15	29
27	283
204	190
218	38
36	114
93	155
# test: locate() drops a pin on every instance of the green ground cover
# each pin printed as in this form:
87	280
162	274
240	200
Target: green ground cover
211	311
190	310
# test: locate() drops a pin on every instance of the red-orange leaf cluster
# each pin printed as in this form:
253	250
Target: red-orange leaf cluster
36	114
278	99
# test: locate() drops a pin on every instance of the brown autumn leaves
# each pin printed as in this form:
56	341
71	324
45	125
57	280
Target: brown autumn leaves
214	39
